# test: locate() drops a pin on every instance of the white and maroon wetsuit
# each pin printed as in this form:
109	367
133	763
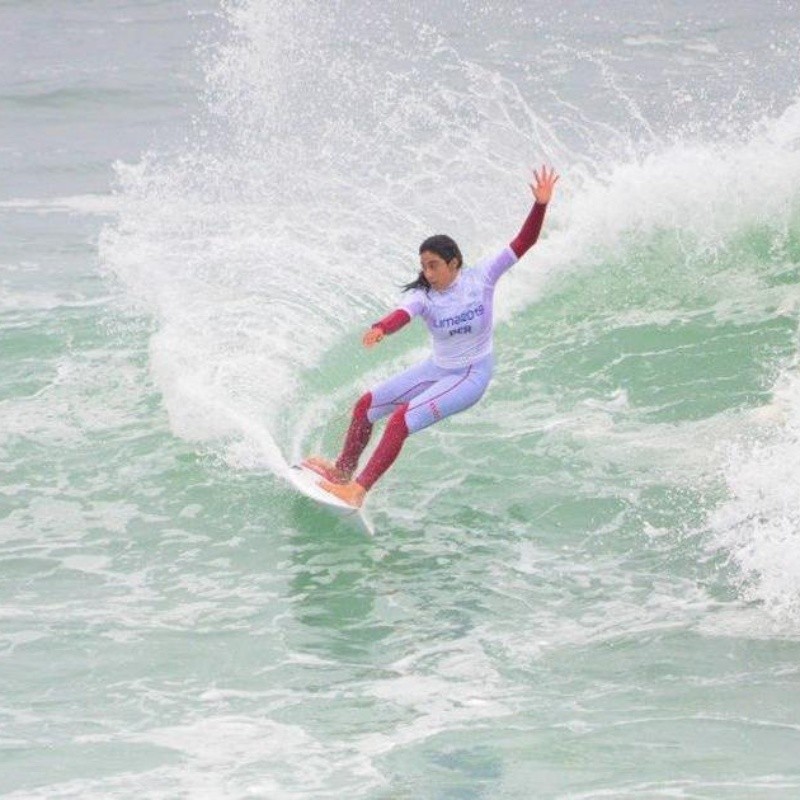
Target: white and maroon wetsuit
460	322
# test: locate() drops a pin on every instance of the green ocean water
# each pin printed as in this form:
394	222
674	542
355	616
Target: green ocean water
587	586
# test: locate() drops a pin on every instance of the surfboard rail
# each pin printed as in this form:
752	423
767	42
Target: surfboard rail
306	482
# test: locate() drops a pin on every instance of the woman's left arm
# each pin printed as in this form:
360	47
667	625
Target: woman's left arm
391	323
542	189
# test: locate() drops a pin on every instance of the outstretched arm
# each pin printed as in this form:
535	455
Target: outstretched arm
389	324
542	190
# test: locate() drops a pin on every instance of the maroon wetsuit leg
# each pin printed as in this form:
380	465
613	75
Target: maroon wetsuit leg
388	449
357	436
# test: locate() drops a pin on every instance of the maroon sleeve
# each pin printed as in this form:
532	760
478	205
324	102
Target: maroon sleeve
529	232
394	321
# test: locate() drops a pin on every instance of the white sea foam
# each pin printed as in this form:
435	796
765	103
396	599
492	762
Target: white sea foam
703	190
439	688
759	525
219	757
86	204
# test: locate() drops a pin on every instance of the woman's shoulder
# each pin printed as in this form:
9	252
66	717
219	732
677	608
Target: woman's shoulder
491	267
415	301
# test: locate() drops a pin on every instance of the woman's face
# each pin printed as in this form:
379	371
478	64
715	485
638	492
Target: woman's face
438	272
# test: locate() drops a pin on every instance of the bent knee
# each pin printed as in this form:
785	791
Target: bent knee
362	406
397	421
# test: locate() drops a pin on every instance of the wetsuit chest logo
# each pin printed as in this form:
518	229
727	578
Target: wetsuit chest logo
458	322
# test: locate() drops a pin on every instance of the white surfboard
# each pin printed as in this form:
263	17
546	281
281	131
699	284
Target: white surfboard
306	482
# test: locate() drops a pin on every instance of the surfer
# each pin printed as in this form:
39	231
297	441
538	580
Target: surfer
456	305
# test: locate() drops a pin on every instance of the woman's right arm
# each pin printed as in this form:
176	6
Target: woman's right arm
542	192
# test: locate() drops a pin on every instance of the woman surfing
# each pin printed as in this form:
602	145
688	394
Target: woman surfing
456	305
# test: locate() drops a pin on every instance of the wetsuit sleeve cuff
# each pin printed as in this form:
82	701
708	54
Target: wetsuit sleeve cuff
394	321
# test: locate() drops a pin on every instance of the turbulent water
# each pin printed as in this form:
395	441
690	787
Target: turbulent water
587	586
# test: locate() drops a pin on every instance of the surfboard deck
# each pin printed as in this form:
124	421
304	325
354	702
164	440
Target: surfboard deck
306	482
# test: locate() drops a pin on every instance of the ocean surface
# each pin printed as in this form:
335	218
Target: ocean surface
587	586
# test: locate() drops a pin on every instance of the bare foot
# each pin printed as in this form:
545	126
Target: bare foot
327	469
353	493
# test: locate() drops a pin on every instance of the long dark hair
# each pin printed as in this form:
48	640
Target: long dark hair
444	247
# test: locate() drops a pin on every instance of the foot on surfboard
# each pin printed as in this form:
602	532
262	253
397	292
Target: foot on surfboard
353	493
327	469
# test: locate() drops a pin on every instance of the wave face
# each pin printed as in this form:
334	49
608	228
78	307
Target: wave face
333	141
